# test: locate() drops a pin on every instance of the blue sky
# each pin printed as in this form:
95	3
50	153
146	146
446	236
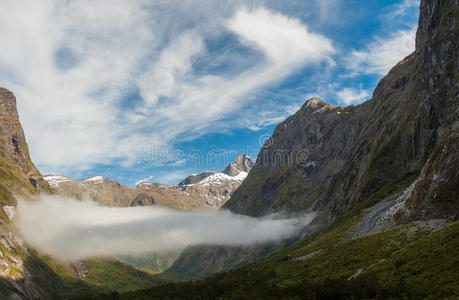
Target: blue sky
156	90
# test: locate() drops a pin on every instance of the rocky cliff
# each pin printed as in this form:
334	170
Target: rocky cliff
332	159
17	172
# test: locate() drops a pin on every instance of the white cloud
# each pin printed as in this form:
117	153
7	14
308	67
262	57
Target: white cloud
285	41
385	52
144	180
349	96
97	82
401	8
70	230
160	78
382	54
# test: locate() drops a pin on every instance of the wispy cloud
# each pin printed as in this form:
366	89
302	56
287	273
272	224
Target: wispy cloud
70	230
382	54
110	80
401	8
349	96
144	180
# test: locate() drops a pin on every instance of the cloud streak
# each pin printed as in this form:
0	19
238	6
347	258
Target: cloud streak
108	80
382	54
70	230
349	96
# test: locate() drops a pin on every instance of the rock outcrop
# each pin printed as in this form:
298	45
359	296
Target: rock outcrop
243	163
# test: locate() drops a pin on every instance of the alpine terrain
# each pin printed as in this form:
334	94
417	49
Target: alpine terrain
380	178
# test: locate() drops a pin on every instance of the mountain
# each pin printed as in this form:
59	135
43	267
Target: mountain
17	172
395	155
98	188
332	159
204	191
382	177
24	272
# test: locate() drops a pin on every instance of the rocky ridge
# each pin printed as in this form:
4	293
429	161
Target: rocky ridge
204	191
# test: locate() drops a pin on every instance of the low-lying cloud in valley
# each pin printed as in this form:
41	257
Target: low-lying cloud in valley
69	229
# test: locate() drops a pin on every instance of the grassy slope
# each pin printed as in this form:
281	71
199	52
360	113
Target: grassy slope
104	276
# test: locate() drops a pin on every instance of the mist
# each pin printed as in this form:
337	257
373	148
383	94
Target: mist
69	229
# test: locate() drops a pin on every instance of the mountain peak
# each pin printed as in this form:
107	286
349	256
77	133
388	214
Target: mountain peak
243	163
13	145
314	103
8	103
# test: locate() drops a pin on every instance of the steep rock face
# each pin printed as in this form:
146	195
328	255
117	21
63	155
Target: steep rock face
331	159
17	172
19	278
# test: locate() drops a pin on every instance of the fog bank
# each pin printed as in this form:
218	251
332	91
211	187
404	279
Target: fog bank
69	229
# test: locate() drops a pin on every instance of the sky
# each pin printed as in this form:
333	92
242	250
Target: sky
154	90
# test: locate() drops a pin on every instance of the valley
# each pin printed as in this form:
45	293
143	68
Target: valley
379	180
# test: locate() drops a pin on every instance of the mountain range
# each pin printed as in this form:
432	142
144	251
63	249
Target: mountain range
392	159
382	179
203	191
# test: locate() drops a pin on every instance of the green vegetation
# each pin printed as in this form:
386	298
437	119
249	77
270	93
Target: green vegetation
59	281
152	262
117	276
409	262
10	179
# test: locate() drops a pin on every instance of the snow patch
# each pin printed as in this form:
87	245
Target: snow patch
241	176
95	179
54	180
222	178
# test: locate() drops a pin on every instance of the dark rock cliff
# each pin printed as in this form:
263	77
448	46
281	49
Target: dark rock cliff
329	158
